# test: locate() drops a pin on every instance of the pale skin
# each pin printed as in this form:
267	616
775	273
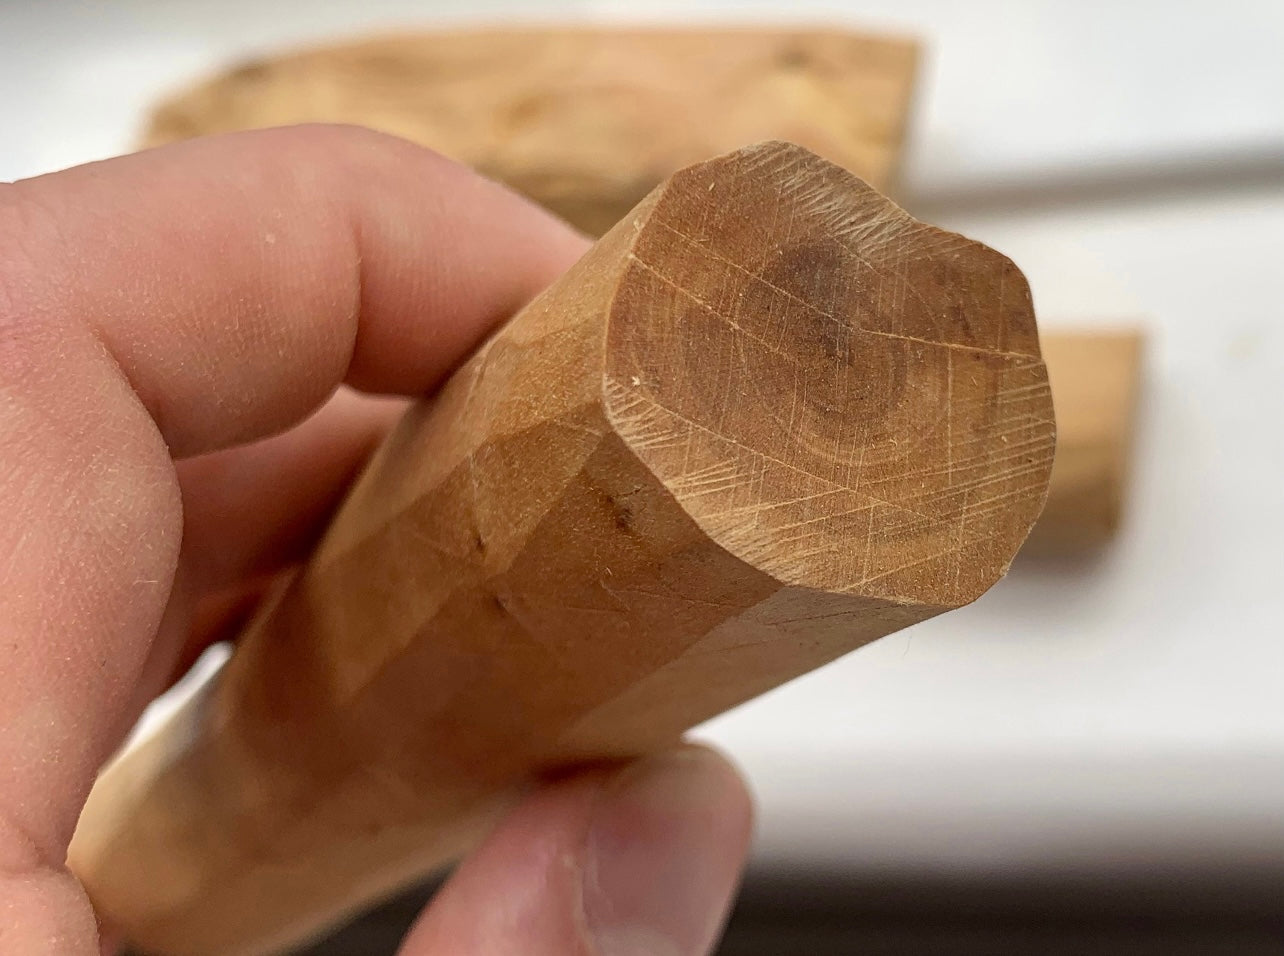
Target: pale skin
198	347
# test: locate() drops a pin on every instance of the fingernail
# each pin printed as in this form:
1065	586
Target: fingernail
665	848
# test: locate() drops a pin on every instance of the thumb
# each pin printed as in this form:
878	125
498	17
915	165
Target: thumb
642	861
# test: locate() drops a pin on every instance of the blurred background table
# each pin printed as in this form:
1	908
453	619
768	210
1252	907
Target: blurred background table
1099	742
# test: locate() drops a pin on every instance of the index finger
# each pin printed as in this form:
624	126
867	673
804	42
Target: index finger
237	280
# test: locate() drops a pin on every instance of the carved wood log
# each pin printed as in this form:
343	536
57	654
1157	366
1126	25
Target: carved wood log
767	419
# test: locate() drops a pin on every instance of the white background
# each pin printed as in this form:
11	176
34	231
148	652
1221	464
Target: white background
1124	711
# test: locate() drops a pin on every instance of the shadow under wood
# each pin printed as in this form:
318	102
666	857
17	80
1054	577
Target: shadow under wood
818	914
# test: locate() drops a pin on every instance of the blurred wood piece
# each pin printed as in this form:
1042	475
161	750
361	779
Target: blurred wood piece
1096	380
767	419
586	122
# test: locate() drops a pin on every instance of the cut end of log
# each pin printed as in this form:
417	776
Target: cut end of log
853	403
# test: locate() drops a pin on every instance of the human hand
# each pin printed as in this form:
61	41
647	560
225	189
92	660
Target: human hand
173	328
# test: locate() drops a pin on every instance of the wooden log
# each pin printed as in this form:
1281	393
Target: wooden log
1096	380
767	419
585	121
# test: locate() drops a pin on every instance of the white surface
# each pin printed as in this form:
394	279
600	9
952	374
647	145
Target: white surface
1128	707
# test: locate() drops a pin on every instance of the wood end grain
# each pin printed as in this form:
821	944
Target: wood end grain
840	395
